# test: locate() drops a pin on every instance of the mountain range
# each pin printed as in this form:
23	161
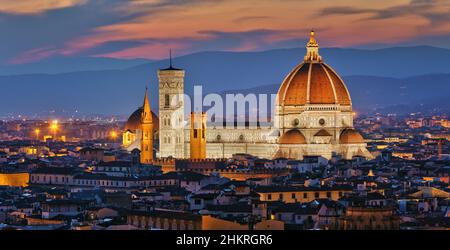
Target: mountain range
377	79
60	64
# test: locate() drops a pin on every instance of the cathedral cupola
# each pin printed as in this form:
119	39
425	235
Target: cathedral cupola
312	49
313	82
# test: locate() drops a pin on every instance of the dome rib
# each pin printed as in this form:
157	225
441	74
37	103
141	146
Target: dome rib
288	79
308	86
342	93
332	83
321	91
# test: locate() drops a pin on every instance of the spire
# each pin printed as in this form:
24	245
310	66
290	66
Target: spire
170	62
312	40
146	133
170	56
312	49
146	111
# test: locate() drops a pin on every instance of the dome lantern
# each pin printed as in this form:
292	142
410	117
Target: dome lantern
312	49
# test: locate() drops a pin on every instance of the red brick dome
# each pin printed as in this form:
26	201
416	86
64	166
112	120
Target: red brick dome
313	82
293	136
350	136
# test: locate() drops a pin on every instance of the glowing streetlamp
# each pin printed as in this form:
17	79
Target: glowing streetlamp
114	135
36	132
54	128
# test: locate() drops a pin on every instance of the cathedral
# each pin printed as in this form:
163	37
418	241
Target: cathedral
313	117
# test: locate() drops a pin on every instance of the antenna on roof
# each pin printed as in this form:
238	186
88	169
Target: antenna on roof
170	56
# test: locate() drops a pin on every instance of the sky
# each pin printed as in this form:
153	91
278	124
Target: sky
34	30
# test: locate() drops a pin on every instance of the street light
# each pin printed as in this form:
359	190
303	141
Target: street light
37	131
54	128
114	135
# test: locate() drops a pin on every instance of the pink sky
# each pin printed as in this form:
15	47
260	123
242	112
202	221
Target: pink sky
239	25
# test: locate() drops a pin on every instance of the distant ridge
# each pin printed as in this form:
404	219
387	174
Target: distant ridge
69	64
371	93
374	77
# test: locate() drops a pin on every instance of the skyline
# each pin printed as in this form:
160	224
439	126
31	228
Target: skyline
181	115
38	30
411	82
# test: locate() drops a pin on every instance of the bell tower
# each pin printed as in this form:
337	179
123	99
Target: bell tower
198	135
147	132
171	112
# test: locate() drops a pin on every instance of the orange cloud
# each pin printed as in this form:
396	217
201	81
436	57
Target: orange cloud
34	55
35	6
161	24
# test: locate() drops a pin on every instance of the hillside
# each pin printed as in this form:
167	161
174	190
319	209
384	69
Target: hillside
376	78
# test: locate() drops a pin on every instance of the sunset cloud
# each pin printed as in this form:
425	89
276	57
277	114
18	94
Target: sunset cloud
35	6
148	28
